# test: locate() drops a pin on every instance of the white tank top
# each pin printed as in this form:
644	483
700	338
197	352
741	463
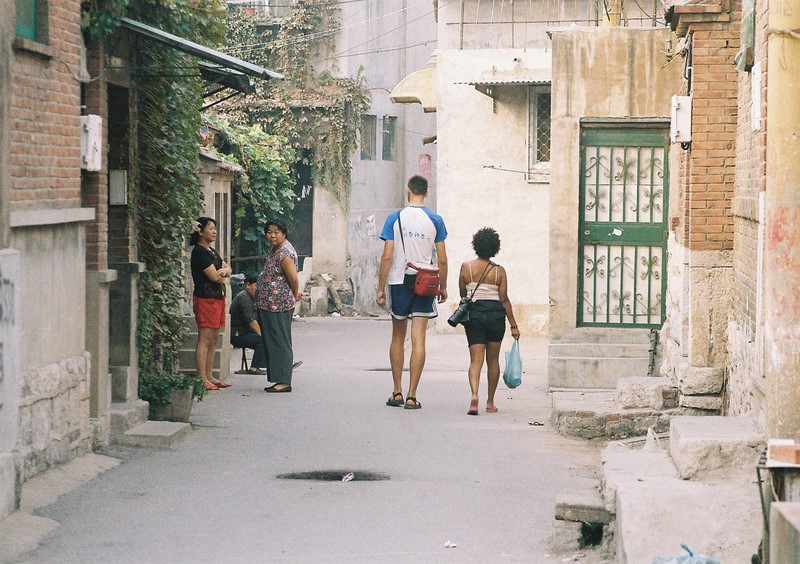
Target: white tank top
487	290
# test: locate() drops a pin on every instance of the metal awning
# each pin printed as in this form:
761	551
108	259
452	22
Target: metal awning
419	87
487	81
225	63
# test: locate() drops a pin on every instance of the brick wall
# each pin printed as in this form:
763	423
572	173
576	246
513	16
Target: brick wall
45	110
750	182
711	159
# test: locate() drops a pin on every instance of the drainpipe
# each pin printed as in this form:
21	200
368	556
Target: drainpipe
7	32
782	249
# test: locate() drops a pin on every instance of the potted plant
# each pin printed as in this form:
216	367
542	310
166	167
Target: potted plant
170	395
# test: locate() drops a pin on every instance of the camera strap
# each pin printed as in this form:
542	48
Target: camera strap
480	281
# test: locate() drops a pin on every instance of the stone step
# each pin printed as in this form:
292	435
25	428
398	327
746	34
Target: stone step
590	414
596	365
156	434
623	465
638	392
125	416
582	508
708	447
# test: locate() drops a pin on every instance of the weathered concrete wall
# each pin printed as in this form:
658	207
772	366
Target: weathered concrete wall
54	365
482	177
378	186
619	75
10	311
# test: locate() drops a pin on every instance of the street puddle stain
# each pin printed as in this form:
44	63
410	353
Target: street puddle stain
336	476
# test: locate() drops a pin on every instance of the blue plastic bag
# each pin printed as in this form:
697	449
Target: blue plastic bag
688	558
512	375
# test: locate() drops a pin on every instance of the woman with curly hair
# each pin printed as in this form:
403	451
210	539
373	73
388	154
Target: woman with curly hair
490	308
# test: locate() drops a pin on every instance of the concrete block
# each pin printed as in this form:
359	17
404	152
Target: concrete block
125	416
156	434
319	300
699	380
566	536
623	465
722	521
714	447
582	508
784	531
642	392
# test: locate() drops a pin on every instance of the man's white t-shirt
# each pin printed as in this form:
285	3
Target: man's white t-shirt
422	229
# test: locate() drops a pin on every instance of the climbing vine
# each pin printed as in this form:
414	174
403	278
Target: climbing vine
168	197
318	113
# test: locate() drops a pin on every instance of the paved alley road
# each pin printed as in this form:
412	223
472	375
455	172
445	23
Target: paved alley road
486	484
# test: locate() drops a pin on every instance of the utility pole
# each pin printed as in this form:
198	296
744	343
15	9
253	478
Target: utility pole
782	249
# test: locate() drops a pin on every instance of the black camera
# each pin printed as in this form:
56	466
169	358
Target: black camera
461	314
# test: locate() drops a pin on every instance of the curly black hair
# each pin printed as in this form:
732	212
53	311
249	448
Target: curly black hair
486	243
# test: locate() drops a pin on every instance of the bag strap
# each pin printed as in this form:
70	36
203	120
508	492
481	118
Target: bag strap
485	272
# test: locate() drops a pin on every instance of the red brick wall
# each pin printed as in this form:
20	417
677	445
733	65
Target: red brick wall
45	122
711	160
751	178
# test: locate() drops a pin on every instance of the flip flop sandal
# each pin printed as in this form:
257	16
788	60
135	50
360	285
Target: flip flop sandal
395	402
414	403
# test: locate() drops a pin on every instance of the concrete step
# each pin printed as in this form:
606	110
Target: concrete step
156	434
582	508
708	447
646	392
125	416
590	414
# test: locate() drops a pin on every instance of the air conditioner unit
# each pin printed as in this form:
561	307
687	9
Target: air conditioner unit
680	127
91	142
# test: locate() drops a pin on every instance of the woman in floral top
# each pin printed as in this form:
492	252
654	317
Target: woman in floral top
277	292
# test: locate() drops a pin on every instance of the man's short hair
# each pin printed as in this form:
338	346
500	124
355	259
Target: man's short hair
418	185
251	278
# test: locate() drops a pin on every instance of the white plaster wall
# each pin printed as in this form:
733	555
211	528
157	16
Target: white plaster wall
475	133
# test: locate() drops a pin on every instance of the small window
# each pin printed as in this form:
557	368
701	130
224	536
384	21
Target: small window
539	133
389	146
368	135
26	19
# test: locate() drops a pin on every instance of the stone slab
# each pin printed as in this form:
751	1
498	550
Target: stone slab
641	392
715	447
582	508
566	536
622	465
784	531
125	416
156	434
654	517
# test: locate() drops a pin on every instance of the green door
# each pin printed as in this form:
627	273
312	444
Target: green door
623	227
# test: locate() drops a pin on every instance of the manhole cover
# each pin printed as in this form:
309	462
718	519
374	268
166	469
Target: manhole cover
335	476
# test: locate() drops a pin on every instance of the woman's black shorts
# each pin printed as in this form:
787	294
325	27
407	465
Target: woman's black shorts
487	323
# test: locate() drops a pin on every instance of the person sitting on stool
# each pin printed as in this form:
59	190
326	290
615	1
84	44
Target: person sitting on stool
245	331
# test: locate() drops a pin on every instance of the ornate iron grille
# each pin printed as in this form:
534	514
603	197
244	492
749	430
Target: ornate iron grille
624	179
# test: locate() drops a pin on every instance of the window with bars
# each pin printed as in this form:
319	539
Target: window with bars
539	132
368	134
389	145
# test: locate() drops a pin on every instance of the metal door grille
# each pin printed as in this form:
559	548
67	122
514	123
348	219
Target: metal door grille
622	250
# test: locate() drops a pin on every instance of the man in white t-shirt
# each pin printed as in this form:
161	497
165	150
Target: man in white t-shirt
410	235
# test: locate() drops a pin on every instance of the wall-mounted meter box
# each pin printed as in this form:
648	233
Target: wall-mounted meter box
91	142
680	126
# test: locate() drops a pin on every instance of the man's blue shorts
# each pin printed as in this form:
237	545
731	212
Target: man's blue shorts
406	304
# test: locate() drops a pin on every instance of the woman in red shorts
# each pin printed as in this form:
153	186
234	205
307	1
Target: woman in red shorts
208	299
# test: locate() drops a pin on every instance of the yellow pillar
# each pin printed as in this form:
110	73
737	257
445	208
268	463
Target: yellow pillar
782	249
613	15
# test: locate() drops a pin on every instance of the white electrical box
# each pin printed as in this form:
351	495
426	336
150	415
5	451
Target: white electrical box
118	187
680	127
91	142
